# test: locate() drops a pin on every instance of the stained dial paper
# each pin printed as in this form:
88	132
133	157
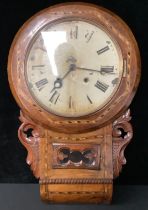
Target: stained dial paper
73	68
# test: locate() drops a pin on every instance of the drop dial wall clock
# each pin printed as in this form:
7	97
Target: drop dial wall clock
73	70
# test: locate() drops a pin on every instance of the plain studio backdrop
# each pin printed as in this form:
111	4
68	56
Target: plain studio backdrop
13	167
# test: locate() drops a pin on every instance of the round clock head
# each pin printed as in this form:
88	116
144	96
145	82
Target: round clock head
73	68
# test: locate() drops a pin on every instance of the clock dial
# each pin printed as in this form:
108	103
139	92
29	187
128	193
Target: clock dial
73	68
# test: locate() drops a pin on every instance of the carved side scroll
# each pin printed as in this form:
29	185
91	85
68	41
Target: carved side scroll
122	134
29	136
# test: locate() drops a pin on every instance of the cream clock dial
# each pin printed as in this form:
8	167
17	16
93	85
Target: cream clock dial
73	68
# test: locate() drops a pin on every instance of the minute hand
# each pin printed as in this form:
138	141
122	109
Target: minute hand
107	70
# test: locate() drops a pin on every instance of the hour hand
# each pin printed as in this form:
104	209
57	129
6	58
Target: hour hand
57	84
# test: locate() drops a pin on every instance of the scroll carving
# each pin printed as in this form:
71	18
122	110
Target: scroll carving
122	134
29	136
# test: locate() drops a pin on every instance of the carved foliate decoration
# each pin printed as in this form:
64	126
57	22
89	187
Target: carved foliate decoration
29	136
122	134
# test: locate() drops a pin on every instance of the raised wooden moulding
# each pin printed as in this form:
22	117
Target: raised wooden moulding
75	159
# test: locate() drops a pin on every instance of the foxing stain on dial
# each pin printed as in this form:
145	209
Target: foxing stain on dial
32	58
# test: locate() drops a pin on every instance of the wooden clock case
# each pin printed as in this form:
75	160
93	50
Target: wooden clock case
75	159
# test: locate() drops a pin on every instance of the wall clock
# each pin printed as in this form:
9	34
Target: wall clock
73	69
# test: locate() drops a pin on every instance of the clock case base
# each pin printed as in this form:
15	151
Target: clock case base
76	168
76	193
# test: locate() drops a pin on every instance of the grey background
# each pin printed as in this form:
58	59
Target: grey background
26	197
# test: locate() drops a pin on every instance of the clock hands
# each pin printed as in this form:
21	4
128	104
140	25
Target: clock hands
71	68
103	70
58	83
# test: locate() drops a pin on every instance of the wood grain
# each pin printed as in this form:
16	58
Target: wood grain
108	128
117	29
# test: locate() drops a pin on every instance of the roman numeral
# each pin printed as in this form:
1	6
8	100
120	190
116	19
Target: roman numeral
115	81
70	102
88	36
40	84
54	97
104	49
107	69
37	66
90	101
74	33
102	86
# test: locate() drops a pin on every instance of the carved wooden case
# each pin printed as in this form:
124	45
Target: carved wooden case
75	158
